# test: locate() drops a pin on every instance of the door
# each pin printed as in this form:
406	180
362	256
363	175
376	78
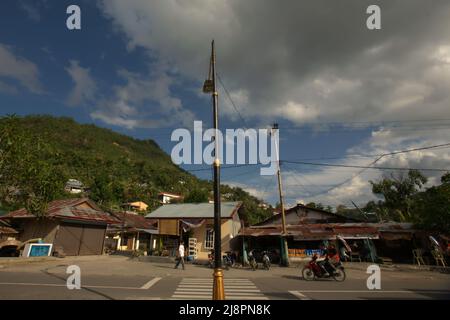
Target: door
92	240
78	239
69	238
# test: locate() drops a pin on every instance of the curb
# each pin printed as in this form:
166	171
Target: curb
12	261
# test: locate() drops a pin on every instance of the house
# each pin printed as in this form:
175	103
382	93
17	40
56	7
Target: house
194	224
138	206
134	232
74	226
165	198
74	186
304	240
301	214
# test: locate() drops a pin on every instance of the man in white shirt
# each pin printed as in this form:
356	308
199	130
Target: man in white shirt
180	255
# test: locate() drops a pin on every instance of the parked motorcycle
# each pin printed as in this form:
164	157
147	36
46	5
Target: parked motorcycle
211	260
266	260
313	270
252	261
228	260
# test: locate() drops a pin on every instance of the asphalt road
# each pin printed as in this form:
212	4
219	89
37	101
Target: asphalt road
120	278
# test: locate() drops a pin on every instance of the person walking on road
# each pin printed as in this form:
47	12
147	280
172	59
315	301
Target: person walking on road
180	255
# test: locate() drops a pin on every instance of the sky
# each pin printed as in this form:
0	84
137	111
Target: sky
341	94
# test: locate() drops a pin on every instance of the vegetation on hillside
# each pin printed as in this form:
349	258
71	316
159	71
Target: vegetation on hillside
40	153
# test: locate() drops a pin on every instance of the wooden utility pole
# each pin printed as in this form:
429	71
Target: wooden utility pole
284	249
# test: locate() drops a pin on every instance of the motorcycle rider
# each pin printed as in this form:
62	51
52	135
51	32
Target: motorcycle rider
330	253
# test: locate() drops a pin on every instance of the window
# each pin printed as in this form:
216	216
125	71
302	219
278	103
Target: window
209	238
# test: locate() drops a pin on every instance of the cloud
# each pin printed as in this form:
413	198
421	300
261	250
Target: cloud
143	102
19	69
312	62
303	60
85	86
326	185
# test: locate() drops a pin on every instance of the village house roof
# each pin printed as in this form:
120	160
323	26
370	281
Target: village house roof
329	231
173	195
314	231
7	230
80	209
292	210
135	222
194	210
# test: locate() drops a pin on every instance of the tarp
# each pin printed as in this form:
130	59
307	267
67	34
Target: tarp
344	243
188	224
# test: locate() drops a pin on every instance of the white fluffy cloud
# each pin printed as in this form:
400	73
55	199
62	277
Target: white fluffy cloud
303	60
16	68
142	102
85	87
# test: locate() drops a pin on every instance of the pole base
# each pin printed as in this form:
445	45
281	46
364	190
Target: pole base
218	286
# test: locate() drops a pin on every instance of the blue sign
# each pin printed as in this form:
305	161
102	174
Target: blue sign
40	250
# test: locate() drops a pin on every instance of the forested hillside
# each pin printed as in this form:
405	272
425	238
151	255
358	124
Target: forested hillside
40	153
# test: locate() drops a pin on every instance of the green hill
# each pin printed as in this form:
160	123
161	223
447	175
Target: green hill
115	168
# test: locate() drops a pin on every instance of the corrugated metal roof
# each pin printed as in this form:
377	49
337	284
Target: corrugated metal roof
7	230
314	231
193	210
68	209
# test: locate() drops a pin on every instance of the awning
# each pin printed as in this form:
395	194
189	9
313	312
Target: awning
150	231
188	224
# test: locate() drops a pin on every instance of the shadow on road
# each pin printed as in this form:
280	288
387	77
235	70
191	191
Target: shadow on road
45	271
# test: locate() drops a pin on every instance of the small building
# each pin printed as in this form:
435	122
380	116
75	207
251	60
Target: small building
74	186
134	232
304	240
301	214
166	198
194	224
74	226
137	206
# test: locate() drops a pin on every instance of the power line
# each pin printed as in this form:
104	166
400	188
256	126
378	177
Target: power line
232	102
370	166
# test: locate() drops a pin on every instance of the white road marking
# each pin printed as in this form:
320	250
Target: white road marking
149	284
299	295
64	285
201	289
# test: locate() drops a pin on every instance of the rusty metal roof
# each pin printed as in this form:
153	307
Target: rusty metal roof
314	231
68	209
7	230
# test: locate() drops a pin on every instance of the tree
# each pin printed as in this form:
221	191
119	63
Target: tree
398	191
431	209
30	169
314	205
197	196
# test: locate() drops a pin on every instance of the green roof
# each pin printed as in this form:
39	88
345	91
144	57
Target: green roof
193	210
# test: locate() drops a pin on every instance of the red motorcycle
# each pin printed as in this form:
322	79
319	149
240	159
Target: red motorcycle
313	270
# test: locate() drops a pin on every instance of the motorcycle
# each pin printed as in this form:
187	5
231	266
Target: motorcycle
228	260
252	261
266	260
313	270
211	260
